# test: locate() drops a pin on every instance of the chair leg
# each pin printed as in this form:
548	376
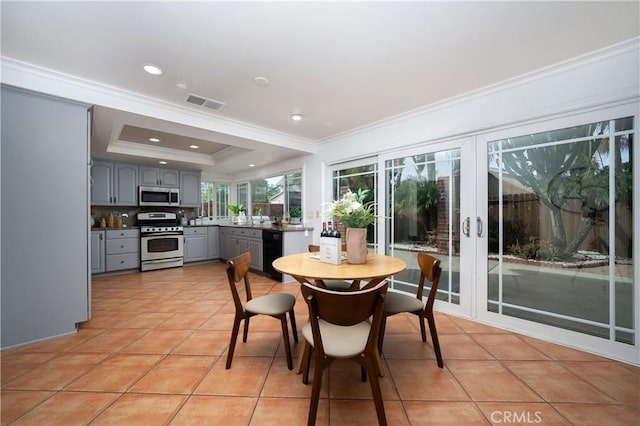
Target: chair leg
420	315
246	329
294	329
285	335
315	390
374	382
434	338
306	362
383	326
232	343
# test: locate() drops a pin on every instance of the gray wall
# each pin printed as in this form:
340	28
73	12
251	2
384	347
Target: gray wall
45	284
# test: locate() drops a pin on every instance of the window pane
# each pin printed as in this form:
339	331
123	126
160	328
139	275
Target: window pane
424	203
560	228
276	196
354	179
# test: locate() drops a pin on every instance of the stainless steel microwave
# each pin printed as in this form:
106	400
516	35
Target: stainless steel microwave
158	196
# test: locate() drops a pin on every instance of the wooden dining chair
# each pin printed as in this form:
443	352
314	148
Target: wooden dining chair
397	302
337	285
275	305
343	325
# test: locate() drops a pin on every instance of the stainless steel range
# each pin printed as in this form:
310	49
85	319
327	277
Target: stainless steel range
161	241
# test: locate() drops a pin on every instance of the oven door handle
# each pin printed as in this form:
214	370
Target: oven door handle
162	234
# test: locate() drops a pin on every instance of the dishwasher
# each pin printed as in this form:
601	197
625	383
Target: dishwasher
271	250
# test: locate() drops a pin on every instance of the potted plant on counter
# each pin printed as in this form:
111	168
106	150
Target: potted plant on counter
295	214
239	213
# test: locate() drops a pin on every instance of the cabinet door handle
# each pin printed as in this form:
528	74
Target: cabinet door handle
479	223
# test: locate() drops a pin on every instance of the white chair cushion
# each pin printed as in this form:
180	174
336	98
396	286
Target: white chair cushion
340	341
396	302
271	304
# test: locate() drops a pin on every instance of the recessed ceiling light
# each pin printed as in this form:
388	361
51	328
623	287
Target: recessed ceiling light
152	69
252	165
297	117
162	162
154	140
194	146
261	81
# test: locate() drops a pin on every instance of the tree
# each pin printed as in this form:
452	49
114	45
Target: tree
576	169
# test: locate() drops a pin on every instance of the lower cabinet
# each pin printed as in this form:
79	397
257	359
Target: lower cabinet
255	248
195	244
97	252
122	249
213	237
235	241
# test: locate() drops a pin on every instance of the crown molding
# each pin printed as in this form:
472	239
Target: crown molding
44	80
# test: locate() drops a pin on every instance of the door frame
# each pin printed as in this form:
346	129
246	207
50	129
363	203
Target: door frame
593	344
467	189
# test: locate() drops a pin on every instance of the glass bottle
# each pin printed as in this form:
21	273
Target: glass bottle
336	232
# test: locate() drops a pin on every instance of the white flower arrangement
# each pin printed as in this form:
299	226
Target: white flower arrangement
352	211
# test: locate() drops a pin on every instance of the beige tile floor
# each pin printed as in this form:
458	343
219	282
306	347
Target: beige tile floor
154	354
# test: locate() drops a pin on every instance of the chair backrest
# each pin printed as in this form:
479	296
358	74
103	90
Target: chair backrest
429	270
238	271
313	248
345	308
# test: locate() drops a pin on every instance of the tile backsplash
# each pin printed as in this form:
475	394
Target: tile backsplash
128	214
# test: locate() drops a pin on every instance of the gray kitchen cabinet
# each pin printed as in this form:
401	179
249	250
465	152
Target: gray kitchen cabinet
158	176
190	188
97	252
237	240
125	184
46	273
235	246
195	244
114	184
101	182
213	237
122	249
222	243
255	249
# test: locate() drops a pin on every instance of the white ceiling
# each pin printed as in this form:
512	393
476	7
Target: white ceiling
343	65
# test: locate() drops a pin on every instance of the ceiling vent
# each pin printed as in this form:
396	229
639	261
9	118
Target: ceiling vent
204	102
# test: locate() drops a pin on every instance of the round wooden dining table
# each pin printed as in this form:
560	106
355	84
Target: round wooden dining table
307	268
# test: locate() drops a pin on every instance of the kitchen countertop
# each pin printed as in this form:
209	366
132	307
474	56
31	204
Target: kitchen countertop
286	228
97	228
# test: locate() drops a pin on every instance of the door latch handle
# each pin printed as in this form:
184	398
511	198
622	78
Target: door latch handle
466	225
479	223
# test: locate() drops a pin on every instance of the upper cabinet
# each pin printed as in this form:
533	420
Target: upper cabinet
157	176
189	188
114	184
101	183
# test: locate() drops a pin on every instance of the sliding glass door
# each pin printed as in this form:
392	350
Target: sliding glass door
557	253
424	212
533	225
